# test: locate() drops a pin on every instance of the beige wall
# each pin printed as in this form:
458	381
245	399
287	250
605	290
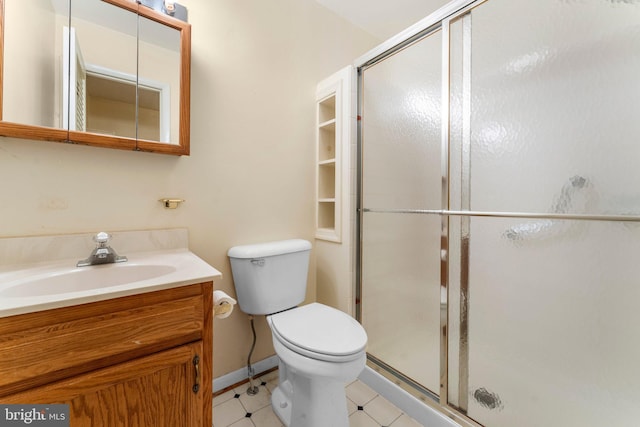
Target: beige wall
250	176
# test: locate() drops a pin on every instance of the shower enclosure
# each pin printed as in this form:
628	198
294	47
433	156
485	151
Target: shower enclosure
499	211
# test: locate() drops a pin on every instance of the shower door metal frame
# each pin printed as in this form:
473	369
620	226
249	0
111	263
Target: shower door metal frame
440	21
407	43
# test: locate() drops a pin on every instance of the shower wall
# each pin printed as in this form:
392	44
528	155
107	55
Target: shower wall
540	153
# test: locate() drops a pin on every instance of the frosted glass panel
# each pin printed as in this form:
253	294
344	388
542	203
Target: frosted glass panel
401	167
554	106
401	293
401	122
553	336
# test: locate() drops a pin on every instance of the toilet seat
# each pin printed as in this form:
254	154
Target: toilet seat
319	332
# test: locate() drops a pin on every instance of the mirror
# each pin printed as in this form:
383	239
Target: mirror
100	69
32	75
158	81
109	73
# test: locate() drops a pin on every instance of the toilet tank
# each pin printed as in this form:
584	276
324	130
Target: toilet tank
270	277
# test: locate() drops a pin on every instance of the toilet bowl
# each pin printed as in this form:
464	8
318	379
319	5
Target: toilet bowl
320	348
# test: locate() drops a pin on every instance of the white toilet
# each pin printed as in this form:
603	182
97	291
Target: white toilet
320	348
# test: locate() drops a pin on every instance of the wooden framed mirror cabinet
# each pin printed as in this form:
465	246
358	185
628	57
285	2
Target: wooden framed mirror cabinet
105	73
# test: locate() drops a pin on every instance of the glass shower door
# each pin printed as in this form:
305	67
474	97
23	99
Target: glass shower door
401	169
545	125
499	183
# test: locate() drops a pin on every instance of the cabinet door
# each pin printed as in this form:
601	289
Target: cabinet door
154	391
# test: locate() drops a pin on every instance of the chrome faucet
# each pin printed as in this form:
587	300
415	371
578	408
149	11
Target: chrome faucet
102	254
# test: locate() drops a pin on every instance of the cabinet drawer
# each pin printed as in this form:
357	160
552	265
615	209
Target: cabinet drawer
64	342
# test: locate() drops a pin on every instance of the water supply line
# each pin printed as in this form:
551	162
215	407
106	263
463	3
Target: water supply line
253	389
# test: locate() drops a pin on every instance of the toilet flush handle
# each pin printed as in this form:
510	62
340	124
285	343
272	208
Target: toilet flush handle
258	261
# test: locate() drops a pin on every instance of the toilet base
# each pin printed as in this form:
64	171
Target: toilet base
311	404
281	406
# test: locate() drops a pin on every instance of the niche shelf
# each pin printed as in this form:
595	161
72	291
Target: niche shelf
329	145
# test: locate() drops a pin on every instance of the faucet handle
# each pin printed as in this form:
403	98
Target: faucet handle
101	237
102	254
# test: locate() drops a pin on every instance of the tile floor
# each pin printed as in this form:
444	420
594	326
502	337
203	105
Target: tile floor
236	408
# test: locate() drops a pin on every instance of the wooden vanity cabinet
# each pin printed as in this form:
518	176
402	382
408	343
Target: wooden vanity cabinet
141	360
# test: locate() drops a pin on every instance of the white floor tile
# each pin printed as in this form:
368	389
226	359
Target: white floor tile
361	419
271	379
245	422
351	407
406	421
227	413
383	411
223	397
231	412
265	417
360	393
271	385
257	401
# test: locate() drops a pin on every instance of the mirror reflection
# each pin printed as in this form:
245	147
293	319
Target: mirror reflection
90	66
32	78
101	54
159	75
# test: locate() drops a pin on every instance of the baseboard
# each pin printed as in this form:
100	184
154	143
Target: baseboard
240	375
407	403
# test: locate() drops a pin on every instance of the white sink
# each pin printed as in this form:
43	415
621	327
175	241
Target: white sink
43	286
84	279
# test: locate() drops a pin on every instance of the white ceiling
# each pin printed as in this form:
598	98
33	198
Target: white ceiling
383	18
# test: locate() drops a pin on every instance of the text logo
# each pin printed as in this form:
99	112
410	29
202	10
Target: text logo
34	415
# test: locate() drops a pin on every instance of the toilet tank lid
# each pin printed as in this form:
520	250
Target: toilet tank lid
258	250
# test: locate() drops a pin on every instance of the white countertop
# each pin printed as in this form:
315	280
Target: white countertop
187	269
